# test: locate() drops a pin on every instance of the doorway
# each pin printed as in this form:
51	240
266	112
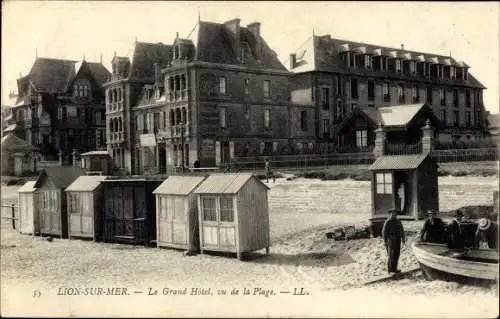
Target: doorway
162	153
225	153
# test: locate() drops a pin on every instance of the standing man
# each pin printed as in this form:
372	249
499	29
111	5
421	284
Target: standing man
268	170
433	229
486	231
455	233
393	234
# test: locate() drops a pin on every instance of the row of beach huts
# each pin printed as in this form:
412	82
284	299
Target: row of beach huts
214	212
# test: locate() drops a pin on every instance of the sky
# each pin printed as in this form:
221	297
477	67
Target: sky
91	29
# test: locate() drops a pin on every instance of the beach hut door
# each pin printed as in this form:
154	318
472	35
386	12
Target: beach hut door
173	219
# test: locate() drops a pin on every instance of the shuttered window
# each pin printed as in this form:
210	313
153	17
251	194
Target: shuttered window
226	209
384	183
209	209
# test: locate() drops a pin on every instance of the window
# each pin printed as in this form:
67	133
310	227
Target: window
368	62
384	183
371	90
456	118
326	128
401	92
455	97
267	118
325	98
429	94
340	110
442	96
398	65
222	117
453	72
222	85
387	92
354	88
443	117
415	93
267	88
303	120
247	113
209	210
468	119
465	74
362	138
467	97
242	55
74	203
413	67
226	209
246	83
339	85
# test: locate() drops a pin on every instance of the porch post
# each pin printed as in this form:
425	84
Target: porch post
380	138
427	137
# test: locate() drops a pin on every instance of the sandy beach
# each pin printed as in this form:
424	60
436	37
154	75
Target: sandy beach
301	257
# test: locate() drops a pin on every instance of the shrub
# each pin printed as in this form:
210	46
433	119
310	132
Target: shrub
334	176
443	173
313	175
364	176
459	173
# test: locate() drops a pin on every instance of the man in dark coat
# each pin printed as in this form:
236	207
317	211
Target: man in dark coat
393	234
433	229
486	231
455	233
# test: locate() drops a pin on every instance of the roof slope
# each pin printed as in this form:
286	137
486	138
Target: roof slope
51	75
225	183
28	187
99	72
215	45
145	56
399	115
85	183
179	185
12	143
398	162
62	177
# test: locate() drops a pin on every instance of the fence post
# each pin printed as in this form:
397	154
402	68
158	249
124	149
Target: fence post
13	217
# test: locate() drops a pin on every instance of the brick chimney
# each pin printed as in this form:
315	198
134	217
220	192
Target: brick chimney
233	26
427	137
157	74
380	138
254	27
293	61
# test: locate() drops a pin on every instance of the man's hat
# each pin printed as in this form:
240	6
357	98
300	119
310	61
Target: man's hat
432	212
458	213
484	224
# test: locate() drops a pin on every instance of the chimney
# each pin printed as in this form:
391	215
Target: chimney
402	46
293	61
254	27
380	138
157	73
427	137
233	26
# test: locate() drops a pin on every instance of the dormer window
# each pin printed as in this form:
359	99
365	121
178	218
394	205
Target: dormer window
465	74
398	65
453	72
242	54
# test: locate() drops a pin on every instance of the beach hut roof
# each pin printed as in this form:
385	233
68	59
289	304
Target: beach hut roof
28	187
179	185
86	183
225	183
62	177
398	162
95	153
399	115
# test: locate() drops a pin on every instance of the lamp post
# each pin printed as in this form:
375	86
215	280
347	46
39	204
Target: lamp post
181	124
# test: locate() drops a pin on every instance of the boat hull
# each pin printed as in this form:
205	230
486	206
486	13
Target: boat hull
438	262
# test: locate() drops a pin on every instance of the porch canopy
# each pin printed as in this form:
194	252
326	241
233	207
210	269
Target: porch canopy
402	123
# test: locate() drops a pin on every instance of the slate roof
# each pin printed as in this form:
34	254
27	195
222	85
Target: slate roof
28	187
85	183
12	143
399	115
145	56
225	183
398	162
179	185
215	44
493	120
99	71
320	53
62	177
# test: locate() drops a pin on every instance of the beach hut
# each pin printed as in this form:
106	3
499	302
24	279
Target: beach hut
129	210
84	197
177	213
28	212
52	199
407	182
97	163
233	213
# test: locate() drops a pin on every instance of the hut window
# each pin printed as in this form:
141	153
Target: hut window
384	183
74	203
209	211
226	209
362	138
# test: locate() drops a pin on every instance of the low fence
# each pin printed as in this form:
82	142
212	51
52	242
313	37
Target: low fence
44	164
362	158
9	217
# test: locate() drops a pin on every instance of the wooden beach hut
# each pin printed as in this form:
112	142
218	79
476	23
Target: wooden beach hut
97	163
84	197
233	213
177	213
129	210
52	201
407	182
28	209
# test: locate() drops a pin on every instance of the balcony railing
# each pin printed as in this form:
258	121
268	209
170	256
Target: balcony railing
178	95
177	130
403	149
116	137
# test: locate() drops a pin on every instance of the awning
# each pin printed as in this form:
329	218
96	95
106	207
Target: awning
398	162
147	140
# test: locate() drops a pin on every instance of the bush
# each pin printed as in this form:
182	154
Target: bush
334	176
263	176
459	173
364	176
313	175
443	173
